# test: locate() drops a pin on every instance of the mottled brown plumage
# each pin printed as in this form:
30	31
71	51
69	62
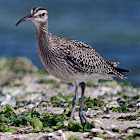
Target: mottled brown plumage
70	60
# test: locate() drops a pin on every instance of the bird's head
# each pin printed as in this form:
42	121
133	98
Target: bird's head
38	16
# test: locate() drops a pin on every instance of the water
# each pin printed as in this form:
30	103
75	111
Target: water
111	27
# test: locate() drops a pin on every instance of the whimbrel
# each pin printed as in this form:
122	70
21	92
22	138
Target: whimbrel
70	60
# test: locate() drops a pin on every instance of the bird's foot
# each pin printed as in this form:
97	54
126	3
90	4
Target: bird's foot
82	117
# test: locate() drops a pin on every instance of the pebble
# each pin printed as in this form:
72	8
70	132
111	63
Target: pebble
138	119
7	100
112	104
106	116
53	136
96	138
30	106
85	134
138	104
66	123
138	126
50	134
130	131
97	121
109	133
77	117
67	135
113	126
95	130
60	133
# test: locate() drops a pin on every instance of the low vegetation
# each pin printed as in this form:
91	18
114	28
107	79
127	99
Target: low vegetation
24	119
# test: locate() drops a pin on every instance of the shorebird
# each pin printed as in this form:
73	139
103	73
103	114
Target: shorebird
70	60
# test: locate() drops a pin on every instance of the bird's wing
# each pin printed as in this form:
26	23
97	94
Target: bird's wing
85	59
82	58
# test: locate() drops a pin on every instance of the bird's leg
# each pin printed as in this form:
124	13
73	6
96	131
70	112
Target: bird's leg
81	114
74	102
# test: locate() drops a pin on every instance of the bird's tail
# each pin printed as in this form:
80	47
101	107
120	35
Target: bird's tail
118	72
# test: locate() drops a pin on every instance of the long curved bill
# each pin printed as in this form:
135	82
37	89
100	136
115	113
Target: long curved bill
29	17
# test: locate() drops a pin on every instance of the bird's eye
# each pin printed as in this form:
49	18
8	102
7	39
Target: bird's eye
43	14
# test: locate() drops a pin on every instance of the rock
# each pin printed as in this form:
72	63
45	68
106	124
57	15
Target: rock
7	100
30	106
97	122
112	104
22	64
121	103
138	104
138	119
66	123
51	135
57	110
109	133
60	133
85	134
138	126
77	117
6	78
96	138
113	126
95	130
130	131
106	116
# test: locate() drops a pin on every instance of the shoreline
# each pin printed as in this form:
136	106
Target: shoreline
112	107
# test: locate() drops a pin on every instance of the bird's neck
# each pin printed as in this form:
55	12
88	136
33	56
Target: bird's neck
42	35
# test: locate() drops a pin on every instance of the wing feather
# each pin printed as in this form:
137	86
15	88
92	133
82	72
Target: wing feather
82	58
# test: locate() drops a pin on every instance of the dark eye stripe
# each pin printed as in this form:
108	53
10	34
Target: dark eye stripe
36	9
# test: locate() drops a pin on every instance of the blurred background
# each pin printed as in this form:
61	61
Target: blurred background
111	27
